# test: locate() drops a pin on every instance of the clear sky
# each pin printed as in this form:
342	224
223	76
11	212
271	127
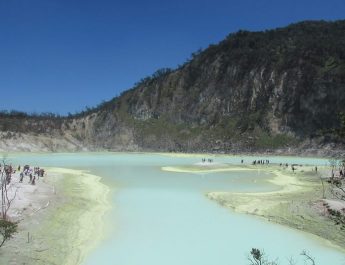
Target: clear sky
63	55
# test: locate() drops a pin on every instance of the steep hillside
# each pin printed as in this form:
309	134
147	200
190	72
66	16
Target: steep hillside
254	91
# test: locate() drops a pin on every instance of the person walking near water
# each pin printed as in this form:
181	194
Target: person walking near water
21	177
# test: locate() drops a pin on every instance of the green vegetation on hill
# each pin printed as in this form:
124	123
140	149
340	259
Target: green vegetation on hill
252	91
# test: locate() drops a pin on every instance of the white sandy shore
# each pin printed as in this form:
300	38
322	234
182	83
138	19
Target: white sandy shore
296	204
260	202
88	227
63	213
28	199
196	168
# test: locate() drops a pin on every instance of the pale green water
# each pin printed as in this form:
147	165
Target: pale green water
164	218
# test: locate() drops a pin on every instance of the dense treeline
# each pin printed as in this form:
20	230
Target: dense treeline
22	114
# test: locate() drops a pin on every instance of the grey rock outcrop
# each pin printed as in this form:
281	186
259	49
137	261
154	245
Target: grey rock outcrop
281	89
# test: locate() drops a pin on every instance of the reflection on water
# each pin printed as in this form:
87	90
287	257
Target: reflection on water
164	218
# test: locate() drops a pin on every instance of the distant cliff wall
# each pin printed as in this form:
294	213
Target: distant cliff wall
281	89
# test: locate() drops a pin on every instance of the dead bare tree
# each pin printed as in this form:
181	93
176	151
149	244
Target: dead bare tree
7	229
323	185
337	189
338	182
6	200
257	257
3	189
308	257
292	261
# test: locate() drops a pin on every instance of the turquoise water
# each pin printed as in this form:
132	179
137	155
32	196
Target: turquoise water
164	218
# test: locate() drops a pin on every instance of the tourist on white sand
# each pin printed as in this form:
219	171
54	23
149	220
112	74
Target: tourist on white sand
27	191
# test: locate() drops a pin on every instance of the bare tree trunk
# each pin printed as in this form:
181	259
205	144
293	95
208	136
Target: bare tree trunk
308	257
323	188
6	202
3	181
3	241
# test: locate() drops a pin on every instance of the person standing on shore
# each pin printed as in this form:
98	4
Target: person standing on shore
21	177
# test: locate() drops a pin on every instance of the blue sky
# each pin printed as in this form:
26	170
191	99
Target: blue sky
63	55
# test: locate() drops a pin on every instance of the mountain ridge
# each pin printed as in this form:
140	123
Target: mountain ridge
253	91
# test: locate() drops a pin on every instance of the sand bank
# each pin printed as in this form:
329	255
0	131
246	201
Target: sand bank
298	204
204	168
63	222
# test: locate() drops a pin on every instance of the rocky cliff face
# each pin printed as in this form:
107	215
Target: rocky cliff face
253	91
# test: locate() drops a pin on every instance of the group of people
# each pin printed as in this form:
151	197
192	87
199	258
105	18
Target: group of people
284	165
7	172
340	173
267	162
209	160
33	173
259	162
